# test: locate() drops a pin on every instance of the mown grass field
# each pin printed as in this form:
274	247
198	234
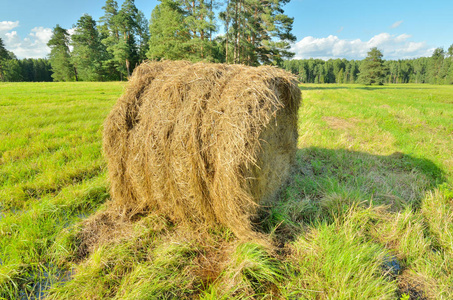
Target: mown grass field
368	213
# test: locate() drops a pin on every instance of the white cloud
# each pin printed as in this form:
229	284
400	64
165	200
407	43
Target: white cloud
41	34
34	45
396	24
341	29
392	46
6	26
71	31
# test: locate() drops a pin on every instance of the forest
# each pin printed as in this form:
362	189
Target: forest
437	69
231	31
27	69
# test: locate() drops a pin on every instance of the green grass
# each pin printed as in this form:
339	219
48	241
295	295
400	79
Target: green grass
52	174
368	213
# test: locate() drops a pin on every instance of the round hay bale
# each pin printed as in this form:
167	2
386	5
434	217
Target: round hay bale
202	143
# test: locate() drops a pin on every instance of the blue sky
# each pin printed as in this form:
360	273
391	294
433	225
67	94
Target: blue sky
324	29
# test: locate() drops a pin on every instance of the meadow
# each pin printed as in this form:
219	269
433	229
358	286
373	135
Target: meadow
368	213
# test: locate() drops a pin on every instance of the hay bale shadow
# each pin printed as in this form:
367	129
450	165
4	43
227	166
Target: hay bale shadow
326	183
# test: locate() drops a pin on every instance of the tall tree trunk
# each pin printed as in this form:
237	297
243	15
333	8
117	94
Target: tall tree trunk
193	14
239	31
75	74
227	20
128	68
202	31
210	19
235	31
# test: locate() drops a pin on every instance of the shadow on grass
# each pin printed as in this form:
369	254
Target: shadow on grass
326	183
358	87
335	187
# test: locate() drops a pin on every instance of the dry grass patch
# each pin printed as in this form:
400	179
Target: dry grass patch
339	123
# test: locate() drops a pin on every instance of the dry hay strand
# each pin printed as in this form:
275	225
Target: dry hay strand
101	228
202	143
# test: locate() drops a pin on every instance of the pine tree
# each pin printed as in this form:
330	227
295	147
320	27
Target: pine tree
59	56
10	68
200	24
372	69
124	33
109	34
183	29
88	51
143	35
126	51
257	32
435	66
13	70
3	58
169	34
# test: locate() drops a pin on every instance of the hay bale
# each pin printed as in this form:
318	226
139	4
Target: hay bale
202	143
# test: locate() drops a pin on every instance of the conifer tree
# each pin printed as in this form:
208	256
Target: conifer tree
257	32
143	35
372	69
3	57
435	66
169	33
12	70
126	51
125	34
183	29
88	51
109	34
200	23
59	56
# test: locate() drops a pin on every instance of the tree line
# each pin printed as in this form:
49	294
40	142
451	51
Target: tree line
255	32
437	69
13	69
251	32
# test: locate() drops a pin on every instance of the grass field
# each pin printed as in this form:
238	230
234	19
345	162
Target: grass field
368	213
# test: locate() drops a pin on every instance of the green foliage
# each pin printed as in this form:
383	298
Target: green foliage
3	52
257	32
320	71
405	297
437	69
200	24
3	57
27	70
88	52
372	68
124	33
11	70
169	35
183	30
60	59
